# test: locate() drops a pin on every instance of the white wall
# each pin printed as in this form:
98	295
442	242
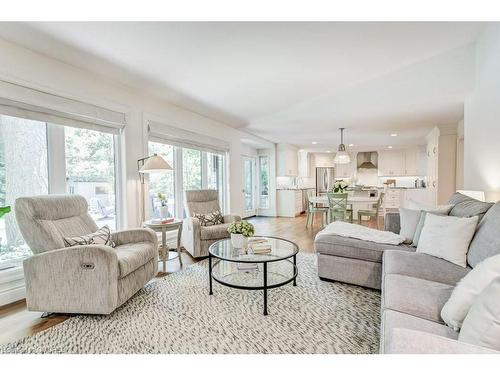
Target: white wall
22	66
482	118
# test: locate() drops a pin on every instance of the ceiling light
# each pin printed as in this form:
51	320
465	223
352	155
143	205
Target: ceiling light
389	146
394	134
342	157
314	143
351	144
328	151
301	150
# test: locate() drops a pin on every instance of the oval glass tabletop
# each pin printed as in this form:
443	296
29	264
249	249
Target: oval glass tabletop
280	249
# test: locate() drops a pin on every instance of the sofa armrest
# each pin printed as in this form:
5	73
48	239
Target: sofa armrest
78	279
392	222
230	218
408	341
135	235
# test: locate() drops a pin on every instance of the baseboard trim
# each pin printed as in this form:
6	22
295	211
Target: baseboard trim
12	286
12	295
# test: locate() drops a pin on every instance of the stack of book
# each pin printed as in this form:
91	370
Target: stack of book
259	246
247	267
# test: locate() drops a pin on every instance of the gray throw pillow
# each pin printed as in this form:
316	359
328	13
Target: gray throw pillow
409	220
482	323
100	237
441	210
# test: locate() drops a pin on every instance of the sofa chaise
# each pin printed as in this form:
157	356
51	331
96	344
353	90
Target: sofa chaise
415	286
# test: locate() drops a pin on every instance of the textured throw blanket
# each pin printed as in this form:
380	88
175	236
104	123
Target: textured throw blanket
360	232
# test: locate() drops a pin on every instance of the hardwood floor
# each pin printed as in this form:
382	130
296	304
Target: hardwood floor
17	322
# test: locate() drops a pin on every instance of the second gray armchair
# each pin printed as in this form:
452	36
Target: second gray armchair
197	238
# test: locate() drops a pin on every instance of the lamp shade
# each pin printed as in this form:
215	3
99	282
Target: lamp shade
342	157
155	164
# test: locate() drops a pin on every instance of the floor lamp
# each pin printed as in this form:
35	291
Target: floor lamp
148	165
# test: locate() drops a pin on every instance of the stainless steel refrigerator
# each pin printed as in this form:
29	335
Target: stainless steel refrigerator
325	178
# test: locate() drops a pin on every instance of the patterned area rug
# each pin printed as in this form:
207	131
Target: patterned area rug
176	315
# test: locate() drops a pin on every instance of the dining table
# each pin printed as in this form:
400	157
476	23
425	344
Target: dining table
323	199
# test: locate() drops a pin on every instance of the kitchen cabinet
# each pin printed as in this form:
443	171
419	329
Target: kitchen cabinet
391	163
400	162
441	163
287	160
345	170
412	162
289	202
392	199
304	164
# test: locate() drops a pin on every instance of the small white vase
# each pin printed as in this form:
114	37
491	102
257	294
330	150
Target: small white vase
163	212
238	241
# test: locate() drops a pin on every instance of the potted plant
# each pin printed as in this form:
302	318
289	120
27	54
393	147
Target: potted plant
340	186
240	231
164	206
3	210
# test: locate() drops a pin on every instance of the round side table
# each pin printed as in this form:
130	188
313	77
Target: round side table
164	228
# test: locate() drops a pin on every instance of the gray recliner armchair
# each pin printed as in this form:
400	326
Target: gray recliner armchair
87	279
196	238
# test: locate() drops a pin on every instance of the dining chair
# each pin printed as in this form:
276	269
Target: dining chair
338	207
312	210
374	212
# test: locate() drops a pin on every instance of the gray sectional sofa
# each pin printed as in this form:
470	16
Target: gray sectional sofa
414	286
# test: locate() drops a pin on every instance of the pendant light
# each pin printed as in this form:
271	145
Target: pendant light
342	157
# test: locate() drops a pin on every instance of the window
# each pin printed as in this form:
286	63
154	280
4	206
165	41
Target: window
37	158
192	169
161	185
192	175
215	175
90	171
23	172
263	181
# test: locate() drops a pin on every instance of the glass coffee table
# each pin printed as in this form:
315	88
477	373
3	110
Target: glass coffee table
242	269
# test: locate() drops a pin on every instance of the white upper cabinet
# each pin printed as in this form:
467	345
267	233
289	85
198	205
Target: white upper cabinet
287	160
305	164
391	163
400	162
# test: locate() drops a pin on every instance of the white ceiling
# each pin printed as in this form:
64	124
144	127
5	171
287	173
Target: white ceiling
287	82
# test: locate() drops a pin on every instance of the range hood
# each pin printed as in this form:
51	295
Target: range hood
367	160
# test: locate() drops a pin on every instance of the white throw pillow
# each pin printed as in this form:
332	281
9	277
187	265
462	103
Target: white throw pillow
472	285
408	219
447	237
440	210
482	323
